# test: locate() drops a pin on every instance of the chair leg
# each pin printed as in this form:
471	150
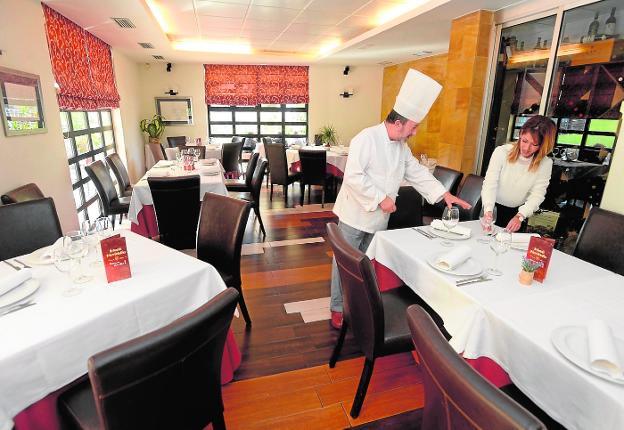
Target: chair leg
302	189
286	195
309	192
257	211
218	422
113	221
338	346
367	372
243	307
271	193
323	197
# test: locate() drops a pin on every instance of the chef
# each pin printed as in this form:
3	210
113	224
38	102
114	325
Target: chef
379	160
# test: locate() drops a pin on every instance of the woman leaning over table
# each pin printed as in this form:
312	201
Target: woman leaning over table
518	174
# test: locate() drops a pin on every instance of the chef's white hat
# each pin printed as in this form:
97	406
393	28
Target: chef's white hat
416	96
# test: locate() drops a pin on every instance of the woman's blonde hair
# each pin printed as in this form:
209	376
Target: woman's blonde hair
543	131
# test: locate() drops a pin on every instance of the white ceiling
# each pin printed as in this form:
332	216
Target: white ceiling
278	31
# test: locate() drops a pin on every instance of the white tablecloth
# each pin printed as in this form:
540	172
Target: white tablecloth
512	324
335	159
141	194
46	346
212	151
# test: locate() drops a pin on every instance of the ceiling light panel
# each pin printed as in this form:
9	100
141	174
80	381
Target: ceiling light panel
321	18
264	13
331	6
207	22
293	4
225	10
253	24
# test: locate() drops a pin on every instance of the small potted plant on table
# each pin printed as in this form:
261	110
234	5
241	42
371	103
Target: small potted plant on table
528	270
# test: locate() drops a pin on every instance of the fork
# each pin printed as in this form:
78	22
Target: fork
26	266
480	278
14	266
17	307
427	235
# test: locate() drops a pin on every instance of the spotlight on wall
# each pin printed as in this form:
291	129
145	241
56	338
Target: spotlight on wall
169	65
171	92
346	70
346	94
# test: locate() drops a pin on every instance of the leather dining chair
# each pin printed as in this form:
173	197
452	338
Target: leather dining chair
28	226
450	179
220	239
176	203
280	173
470	192
169	378
456	396
376	319
254	195
112	204
157	151
201	148
408	212
601	240
244	186
22	194
231	156
313	172
175	141
119	170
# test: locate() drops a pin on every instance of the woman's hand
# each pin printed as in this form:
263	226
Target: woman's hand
514	224
489	216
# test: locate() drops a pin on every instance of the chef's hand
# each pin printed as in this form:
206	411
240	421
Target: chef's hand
451	200
387	205
513	225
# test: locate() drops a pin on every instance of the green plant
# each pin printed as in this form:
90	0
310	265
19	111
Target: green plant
154	127
530	266
328	135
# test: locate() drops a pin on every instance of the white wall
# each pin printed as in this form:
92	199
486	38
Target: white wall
348	115
38	158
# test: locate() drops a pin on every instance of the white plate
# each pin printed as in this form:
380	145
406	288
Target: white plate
447	235
17	294
520	246
571	342
467	268
36	258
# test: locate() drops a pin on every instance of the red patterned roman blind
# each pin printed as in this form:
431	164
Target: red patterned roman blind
82	65
251	85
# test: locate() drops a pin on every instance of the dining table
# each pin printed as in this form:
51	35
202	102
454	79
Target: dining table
141	212
516	327
45	347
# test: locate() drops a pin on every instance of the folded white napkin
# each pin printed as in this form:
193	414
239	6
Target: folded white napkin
48	253
209	170
208	162
14	279
157	173
522	238
603	354
453	258
439	225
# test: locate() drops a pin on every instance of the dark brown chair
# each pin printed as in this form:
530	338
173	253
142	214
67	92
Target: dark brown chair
470	191
254	195
28	226
249	144
112	204
157	151
176	203
201	148
601	240
167	379
408	212
280	173
313	172
22	194
231	157
377	319
175	141
119	170
450	179
456	396
244	186
220	239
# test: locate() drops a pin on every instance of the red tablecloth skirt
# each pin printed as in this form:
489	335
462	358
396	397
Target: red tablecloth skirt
387	280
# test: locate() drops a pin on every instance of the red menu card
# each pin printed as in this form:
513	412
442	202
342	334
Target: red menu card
115	256
540	249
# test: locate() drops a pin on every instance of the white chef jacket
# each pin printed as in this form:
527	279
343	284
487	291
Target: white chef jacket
375	169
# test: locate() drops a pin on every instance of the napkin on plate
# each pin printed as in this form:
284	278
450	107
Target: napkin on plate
14	279
453	258
208	162
439	225
522	238
603	354
48	251
209	170
157	173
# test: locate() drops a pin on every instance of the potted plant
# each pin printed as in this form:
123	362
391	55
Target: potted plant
528	270
328	135
154	128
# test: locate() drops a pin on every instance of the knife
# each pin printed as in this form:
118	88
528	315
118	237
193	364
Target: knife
422	232
17	308
472	281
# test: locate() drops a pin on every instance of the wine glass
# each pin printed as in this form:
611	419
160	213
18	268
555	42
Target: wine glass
487	224
499	243
90	237
76	249
450	219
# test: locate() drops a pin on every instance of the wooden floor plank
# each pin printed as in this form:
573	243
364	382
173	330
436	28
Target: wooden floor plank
388	403
287	276
331	417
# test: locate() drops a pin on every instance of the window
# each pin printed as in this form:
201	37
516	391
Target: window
288	121
88	137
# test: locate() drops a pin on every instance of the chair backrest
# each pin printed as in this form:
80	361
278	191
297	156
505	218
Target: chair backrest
276	156
256	180
236	139
601	240
169	378
471	192
318	140
449	178
176	203
119	170
231	156
22	194
409	205
456	396
157	151
174	141
220	234
249	144
313	166
251	168
266	140
362	305
28	226
201	148
98	172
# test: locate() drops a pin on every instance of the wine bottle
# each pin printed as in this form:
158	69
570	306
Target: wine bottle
538	44
522	45
545	45
593	28
610	24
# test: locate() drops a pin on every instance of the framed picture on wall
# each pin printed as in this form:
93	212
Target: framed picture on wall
175	110
21	104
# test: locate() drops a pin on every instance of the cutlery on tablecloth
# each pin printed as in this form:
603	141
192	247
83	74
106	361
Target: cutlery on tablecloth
12	265
482	278
17	307
26	266
427	235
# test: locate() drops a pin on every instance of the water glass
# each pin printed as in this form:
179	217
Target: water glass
499	243
450	219
76	248
487	224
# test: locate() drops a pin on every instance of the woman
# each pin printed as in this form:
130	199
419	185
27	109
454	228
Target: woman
518	174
